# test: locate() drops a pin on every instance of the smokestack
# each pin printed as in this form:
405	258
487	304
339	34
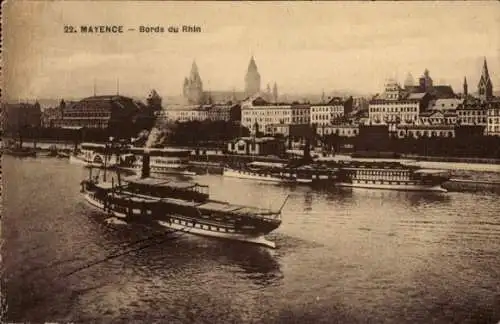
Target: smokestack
145	166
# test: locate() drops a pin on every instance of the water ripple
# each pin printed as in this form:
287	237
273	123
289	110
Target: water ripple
344	256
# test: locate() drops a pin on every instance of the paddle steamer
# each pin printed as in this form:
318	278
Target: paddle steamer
162	160
184	206
96	155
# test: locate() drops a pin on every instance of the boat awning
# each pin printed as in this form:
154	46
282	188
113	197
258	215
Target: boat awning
217	206
180	202
162	183
253	211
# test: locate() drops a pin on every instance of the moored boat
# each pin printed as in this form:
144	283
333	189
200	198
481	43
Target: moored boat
168	161
391	175
184	206
281	173
96	155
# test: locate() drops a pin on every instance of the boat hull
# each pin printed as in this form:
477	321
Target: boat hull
387	186
261	240
78	160
252	176
161	170
181	223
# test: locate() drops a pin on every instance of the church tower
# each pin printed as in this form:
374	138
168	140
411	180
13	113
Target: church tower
252	79
275	92
485	88
466	88
193	86
425	81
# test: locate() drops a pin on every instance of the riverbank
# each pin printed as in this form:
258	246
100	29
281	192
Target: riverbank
451	159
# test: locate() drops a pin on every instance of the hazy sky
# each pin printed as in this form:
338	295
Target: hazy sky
304	47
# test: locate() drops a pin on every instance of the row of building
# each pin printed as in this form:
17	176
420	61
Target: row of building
418	110
436	106
424	109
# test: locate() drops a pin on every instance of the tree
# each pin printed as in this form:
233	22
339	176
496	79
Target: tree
154	101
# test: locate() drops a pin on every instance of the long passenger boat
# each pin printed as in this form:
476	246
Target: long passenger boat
96	155
389	174
184	206
162	160
281	173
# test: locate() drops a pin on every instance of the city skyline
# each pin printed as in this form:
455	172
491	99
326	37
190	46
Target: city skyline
305	47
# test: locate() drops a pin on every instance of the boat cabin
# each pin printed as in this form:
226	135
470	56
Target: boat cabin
164	188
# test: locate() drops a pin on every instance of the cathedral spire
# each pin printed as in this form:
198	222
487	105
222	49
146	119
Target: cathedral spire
252	79
485	87
252	66
195	75
193	86
485	68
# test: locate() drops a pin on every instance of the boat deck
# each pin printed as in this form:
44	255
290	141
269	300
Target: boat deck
207	206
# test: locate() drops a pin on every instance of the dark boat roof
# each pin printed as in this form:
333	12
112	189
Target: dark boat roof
235	209
163	183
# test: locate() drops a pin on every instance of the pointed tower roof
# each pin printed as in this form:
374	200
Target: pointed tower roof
465	80
252	66
194	71
485	68
485	75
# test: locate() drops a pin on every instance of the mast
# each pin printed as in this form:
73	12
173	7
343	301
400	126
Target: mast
284	202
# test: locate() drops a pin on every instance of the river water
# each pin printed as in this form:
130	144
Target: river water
343	256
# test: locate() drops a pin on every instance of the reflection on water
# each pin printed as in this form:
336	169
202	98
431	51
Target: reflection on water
344	256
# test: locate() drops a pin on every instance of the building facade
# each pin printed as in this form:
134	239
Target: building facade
301	114
449	104
278	130
493	125
472	112
339	130
219	112
424	131
396	105
96	112
185	113
257	113
325	114
256	146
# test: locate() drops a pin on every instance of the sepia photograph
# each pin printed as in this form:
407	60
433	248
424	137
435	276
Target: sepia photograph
250	162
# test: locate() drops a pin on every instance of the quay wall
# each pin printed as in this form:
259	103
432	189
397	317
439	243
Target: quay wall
461	185
452	159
